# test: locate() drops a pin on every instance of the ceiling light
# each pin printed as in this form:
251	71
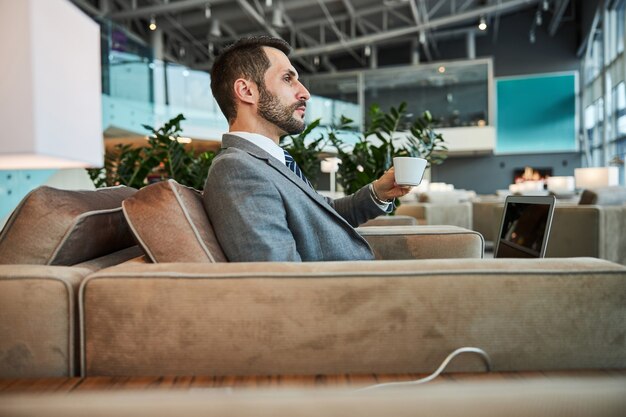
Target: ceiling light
316	60
545	5
185	73
277	18
538	18
153	24
441	69
268	3
181	51
207	11
215	28
482	23
422	37
368	50
531	36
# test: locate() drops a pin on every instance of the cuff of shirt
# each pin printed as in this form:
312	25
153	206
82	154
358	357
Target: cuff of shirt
384	205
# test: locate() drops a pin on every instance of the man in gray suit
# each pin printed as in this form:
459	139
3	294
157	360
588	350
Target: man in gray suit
261	209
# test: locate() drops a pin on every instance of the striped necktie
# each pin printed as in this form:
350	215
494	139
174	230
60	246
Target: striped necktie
291	164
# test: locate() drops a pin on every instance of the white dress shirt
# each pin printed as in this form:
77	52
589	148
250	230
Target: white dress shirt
263	142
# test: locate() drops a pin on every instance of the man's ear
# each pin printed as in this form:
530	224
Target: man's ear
246	91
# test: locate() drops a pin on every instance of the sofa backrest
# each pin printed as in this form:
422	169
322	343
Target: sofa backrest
604	196
65	227
169	222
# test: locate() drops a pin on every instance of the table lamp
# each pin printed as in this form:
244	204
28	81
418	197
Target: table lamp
596	177
561	185
50	86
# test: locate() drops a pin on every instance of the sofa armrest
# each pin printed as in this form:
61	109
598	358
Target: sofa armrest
38	320
456	214
423	242
397	220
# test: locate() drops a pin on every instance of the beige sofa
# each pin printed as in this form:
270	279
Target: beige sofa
451	208
56	238
189	315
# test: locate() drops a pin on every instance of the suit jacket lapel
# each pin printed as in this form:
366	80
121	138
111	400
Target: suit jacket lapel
240	143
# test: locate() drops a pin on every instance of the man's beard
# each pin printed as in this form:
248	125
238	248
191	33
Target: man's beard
271	109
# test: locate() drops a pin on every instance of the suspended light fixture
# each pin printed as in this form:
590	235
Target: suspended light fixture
316	60
482	23
422	37
268	3
545	5
215	29
367	51
538	18
531	36
277	18
152	25
207	11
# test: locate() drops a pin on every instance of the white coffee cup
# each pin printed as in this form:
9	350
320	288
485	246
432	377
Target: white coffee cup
408	170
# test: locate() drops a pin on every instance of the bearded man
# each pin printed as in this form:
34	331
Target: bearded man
260	205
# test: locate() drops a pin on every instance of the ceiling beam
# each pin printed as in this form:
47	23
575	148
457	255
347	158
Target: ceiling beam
250	11
558	16
505	6
158	9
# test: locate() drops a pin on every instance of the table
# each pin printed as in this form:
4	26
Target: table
71	385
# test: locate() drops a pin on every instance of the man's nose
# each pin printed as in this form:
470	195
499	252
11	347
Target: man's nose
303	93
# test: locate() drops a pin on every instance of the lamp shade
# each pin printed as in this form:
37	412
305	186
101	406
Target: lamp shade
329	165
596	177
561	185
50	86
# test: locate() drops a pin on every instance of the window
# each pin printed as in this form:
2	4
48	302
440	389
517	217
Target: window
620	109
619	26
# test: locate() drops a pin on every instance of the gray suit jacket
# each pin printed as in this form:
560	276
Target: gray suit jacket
262	211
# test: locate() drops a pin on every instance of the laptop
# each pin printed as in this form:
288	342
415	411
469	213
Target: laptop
525	227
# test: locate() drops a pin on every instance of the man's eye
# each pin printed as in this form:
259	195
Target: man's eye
287	78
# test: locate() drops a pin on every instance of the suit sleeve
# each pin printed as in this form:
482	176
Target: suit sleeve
247	212
357	208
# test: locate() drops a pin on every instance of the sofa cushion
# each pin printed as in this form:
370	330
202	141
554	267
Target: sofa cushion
170	224
604	196
64	227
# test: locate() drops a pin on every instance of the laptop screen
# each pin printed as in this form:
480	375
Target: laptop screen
525	227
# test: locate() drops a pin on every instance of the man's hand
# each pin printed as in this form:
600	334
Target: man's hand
386	187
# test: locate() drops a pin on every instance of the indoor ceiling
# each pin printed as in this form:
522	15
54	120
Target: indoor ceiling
325	34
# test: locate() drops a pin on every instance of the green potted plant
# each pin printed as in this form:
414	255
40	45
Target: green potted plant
397	135
163	157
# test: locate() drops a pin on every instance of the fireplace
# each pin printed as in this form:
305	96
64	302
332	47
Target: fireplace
531	174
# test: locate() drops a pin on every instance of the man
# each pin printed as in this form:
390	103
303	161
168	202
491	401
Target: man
260	209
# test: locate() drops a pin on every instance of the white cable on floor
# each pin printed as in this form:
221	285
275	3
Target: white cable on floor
439	370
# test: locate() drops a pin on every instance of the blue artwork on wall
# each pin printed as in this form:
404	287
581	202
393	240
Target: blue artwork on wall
536	114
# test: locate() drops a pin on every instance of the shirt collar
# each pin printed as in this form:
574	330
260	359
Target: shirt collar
263	142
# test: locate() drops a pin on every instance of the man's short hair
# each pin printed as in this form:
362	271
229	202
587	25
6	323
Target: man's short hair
243	59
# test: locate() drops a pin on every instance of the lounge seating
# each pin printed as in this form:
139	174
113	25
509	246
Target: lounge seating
203	317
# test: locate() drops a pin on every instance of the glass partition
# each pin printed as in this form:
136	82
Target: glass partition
455	93
332	96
